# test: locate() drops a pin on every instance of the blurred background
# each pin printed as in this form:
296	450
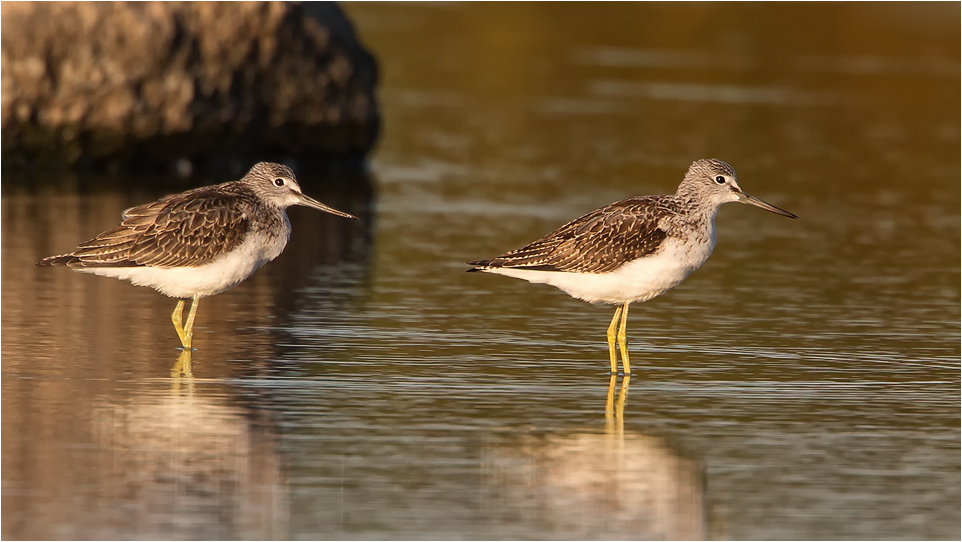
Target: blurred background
804	384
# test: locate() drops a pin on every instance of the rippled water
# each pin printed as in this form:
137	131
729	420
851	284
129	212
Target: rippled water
803	384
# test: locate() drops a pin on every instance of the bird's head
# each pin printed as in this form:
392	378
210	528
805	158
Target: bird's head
715	181
276	183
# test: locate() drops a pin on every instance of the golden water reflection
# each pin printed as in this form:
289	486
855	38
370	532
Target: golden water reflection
587	485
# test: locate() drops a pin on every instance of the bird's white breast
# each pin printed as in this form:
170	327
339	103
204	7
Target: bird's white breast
639	280
225	272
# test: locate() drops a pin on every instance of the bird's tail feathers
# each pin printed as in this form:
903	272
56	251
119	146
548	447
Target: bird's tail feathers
479	265
56	261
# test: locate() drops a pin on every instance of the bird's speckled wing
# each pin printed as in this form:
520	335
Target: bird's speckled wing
598	242
185	230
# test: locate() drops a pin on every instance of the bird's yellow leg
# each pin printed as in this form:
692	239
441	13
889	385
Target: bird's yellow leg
177	319
189	328
612	351
623	339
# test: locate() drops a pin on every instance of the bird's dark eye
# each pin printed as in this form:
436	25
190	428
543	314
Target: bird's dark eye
278	182
719	179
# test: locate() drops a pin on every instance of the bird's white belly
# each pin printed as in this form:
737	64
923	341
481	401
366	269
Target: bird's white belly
222	274
640	280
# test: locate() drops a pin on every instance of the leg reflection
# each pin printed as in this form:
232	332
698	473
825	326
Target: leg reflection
182	367
615	411
610	405
182	372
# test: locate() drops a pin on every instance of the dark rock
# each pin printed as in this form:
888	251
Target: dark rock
117	85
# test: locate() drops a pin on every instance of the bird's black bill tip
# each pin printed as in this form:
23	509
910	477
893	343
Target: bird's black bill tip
308	201
785	213
752	200
341	214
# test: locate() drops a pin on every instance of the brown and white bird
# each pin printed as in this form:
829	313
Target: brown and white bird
200	242
632	250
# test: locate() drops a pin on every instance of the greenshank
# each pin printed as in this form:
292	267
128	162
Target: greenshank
632	250
198	243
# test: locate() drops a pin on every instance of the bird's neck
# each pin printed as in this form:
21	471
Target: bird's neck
698	208
696	220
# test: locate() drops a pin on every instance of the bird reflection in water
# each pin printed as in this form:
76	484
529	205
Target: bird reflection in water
186	463
596	485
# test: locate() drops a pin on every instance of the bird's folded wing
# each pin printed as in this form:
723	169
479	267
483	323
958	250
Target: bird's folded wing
171	232
598	242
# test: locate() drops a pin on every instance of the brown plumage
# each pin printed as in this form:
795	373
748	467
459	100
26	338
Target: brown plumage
598	242
183	230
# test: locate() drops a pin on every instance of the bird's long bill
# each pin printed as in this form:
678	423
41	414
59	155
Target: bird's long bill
308	201
752	200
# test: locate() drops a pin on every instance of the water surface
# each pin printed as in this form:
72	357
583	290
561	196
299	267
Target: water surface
803	384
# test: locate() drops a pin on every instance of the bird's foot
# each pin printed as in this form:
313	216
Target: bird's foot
185	336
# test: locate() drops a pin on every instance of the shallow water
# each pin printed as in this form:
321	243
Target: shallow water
803	384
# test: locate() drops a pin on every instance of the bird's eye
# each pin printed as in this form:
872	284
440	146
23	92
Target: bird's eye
278	182
719	179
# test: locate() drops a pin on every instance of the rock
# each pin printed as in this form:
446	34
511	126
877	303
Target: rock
117	85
